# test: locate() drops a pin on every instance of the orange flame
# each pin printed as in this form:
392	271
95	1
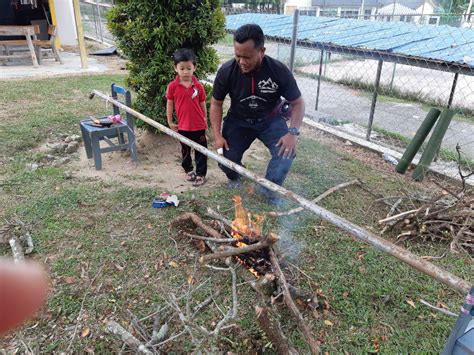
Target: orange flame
245	223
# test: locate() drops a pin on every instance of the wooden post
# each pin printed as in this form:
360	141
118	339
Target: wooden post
80	34
54	20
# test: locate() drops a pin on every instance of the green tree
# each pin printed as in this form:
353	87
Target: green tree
149	31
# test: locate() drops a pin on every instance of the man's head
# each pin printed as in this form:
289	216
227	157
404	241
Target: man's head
249	47
184	63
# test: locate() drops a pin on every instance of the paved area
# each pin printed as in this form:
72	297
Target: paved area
72	65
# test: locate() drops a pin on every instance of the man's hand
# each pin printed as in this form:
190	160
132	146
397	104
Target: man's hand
173	126
220	142
287	145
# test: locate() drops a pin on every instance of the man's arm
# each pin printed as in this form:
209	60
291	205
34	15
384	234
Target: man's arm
287	143
297	113
215	116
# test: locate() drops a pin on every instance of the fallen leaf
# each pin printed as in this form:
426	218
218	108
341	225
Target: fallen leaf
411	303
328	322
85	332
119	267
173	264
345	294
190	279
69	280
149	226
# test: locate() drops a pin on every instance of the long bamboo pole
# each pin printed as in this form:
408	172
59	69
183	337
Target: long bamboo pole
413	260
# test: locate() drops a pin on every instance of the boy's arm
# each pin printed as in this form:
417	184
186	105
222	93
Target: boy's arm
169	115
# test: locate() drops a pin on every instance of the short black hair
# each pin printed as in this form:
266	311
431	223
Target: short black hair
184	55
250	31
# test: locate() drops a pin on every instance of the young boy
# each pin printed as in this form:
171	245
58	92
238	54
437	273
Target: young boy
188	97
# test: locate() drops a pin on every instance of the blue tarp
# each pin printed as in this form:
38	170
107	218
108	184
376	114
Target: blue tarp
439	43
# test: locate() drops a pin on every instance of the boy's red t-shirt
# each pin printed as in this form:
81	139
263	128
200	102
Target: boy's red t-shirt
187	104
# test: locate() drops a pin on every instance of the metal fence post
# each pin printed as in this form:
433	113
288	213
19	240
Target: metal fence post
374	99
100	21
294	38
453	89
319	79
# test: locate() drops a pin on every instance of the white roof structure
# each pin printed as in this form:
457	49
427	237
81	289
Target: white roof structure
396	9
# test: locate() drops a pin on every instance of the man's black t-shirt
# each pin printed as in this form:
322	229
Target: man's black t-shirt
255	95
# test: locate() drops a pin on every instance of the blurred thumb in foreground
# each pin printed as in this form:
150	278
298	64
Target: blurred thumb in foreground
23	291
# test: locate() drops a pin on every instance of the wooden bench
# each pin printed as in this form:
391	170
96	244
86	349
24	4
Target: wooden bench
48	44
27	31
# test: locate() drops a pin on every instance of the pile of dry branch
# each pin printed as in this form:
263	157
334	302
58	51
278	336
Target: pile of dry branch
447	217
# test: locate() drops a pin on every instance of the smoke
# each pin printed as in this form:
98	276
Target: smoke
289	246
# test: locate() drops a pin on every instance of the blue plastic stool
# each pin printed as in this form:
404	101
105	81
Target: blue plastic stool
93	135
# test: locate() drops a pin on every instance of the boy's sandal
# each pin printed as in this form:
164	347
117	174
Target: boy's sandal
191	176
200	180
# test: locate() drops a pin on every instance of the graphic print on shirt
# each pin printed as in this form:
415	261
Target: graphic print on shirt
195	93
267	86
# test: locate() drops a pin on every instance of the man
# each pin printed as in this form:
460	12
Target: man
255	83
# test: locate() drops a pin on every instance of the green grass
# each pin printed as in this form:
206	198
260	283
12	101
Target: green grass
38	109
88	229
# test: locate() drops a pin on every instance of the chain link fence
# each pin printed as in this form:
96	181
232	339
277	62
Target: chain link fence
376	78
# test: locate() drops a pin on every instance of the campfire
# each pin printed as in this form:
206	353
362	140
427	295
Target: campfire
244	241
247	229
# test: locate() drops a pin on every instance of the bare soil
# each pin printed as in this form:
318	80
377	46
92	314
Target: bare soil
159	165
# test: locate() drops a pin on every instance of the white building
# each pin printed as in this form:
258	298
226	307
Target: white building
417	11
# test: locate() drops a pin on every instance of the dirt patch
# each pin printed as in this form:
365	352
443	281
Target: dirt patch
158	166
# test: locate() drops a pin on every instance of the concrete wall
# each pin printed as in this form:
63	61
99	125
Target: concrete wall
66	22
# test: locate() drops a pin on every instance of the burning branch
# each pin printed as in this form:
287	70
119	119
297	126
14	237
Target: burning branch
270	240
304	327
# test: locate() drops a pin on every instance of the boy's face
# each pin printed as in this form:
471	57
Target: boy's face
185	70
247	56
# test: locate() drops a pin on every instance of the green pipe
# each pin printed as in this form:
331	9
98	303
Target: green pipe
418	140
433	144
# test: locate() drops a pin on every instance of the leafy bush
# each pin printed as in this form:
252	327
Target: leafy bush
149	31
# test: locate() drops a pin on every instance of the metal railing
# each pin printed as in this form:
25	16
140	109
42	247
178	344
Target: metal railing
94	20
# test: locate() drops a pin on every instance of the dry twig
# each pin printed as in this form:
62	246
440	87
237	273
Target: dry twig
127	338
316	200
313	344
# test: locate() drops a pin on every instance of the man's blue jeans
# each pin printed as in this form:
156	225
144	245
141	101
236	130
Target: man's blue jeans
240	134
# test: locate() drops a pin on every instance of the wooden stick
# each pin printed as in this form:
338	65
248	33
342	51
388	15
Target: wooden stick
442	310
215	240
273	332
304	327
399	216
17	249
316	200
193	217
126	337
236	251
